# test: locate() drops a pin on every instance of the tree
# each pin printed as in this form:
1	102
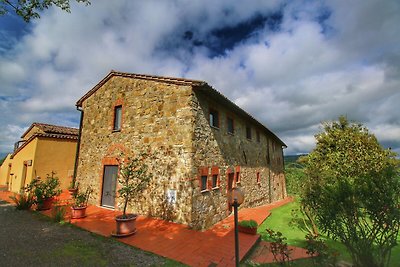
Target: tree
353	189
133	178
29	9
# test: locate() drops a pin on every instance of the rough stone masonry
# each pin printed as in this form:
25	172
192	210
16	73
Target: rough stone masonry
200	146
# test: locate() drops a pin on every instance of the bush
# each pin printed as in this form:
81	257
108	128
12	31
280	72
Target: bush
58	213
23	201
352	190
279	247
44	189
248	223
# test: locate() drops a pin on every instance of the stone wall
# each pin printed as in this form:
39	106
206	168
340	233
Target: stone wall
157	119
232	153
170	122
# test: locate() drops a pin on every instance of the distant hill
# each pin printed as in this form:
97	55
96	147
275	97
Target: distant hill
292	158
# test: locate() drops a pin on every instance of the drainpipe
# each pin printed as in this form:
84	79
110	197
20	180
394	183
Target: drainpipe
78	146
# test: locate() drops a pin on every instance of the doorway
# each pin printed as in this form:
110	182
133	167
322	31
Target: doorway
23	180
109	186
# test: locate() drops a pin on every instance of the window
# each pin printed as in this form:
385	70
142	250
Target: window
117	118
204	182
258	136
230	127
214	118
258	178
215	181
248	132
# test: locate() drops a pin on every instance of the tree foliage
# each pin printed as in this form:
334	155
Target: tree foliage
133	178
29	9
352	190
294	174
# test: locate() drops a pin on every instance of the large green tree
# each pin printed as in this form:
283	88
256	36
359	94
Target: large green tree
352	189
29	9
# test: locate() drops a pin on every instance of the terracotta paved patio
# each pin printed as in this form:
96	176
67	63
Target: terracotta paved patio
177	241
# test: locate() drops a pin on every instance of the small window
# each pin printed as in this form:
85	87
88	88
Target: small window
258	178
230	126
237	177
203	182
215	181
214	118
117	118
248	132
258	136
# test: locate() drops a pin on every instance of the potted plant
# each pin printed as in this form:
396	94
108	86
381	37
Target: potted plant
80	204
44	191
73	187
133	178
248	227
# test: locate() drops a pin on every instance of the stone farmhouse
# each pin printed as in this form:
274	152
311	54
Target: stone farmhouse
43	148
204	145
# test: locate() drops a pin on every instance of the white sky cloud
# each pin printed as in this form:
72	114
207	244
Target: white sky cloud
322	59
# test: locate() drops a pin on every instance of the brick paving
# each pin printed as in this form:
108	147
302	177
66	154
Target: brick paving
177	241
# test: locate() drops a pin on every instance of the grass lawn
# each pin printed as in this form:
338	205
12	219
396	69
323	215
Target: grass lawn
280	221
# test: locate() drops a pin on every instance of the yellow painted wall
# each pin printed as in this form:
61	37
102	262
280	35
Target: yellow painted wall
4	170
56	155
27	153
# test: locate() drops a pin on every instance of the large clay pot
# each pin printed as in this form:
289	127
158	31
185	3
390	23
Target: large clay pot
78	212
125	226
45	204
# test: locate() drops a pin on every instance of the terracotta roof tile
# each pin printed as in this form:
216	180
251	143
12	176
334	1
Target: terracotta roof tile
53	129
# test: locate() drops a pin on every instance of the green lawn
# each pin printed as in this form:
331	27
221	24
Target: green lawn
280	221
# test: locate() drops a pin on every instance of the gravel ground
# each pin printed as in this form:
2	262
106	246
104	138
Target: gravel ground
31	239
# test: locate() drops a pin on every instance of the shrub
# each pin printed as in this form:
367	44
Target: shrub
320	252
279	247
352	190
248	223
44	189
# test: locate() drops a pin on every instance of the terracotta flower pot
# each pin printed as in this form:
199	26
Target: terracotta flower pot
247	230
125	226
78	212
46	204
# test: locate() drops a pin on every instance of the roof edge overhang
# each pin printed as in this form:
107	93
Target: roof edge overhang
220	97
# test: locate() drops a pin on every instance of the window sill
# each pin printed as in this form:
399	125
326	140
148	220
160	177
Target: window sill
215	188
204	191
230	133
214	127
116	131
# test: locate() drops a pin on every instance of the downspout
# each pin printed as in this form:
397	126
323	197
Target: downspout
269	173
77	146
